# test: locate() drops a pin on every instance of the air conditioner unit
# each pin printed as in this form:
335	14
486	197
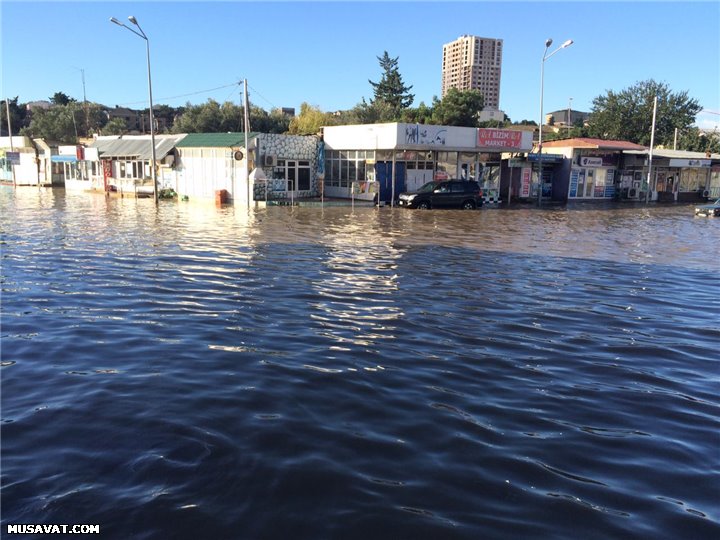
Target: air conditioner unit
269	161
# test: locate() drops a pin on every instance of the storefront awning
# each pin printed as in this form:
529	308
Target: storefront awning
63	159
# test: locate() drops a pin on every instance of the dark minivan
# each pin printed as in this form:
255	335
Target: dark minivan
448	194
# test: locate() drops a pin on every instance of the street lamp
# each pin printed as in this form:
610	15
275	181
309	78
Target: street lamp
548	42
152	119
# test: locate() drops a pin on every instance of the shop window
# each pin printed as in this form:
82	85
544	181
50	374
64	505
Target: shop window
692	179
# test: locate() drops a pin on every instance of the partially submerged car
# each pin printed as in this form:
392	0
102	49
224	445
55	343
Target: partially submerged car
712	209
447	194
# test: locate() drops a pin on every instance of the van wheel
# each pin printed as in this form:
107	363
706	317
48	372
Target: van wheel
468	205
424	205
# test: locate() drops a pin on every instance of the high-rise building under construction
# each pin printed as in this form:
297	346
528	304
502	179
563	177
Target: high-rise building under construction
474	63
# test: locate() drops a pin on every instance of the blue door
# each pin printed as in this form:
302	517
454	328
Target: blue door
383	173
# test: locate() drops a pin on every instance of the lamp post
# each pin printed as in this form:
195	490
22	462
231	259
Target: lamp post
133	20
548	42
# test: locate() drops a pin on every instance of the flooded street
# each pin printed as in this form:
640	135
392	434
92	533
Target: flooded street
201	372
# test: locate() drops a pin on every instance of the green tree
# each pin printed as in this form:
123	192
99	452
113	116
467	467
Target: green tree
420	115
205	118
211	117
59	124
18	116
458	108
116	126
627	115
273	122
310	120
390	89
696	141
375	112
60	98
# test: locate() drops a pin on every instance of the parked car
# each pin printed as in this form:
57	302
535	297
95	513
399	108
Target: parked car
712	209
447	194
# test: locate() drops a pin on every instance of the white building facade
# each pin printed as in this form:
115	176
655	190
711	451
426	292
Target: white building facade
379	161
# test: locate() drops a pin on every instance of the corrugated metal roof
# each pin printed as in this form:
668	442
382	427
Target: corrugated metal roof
215	140
136	147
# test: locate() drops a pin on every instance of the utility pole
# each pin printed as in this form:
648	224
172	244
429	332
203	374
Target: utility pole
85	103
246	127
12	149
652	143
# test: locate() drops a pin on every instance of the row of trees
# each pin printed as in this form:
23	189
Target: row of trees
624	115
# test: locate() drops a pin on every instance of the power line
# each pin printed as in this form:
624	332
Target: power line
263	97
184	95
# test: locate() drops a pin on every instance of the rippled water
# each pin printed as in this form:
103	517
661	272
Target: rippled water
202	372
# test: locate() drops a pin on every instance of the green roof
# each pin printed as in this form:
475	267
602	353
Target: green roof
214	140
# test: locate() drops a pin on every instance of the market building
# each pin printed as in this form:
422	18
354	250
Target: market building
583	169
675	175
25	161
382	160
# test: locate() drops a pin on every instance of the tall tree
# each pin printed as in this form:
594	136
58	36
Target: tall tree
695	140
391	89
59	124
627	115
458	108
18	115
420	115
116	126
60	98
309	121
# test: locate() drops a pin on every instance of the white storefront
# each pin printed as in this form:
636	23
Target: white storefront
383	160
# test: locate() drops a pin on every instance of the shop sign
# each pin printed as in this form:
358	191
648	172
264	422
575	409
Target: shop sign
68	150
13	157
516	162
547	158
591	161
689	163
525	180
499	138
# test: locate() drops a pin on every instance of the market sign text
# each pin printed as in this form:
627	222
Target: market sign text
499	138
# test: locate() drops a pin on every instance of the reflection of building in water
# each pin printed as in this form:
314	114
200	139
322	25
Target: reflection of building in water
357	284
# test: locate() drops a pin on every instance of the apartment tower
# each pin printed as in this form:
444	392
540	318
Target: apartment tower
473	63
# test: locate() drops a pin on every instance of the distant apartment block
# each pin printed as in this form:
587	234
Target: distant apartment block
136	121
474	63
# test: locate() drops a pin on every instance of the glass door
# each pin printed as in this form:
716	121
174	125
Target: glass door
291	175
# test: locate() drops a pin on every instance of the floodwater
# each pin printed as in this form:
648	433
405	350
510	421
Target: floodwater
307	373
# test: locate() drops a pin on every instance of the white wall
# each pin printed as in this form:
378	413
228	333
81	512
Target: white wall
410	137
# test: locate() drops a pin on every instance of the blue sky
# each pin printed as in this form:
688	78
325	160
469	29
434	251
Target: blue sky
324	52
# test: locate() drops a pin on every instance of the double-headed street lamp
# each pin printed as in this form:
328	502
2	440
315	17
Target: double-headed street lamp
152	119
542	89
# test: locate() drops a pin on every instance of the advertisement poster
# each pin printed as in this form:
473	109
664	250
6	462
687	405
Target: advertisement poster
525	181
574	182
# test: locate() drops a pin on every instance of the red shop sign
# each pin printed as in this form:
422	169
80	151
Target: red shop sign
499	138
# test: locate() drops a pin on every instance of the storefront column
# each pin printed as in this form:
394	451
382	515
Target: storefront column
392	181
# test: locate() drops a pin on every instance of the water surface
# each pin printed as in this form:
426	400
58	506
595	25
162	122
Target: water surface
203	372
